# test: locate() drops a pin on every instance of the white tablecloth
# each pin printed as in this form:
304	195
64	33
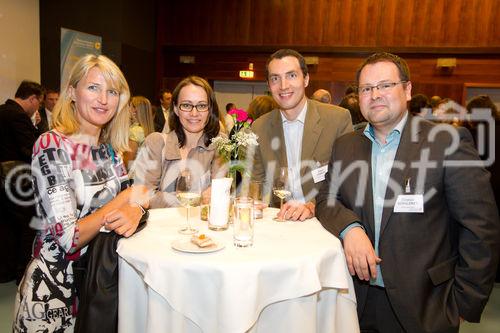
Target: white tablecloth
293	279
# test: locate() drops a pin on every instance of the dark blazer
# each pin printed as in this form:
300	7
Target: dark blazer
158	118
323	124
17	133
437	265
43	125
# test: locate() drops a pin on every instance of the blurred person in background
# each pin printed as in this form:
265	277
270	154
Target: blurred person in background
487	146
141	125
226	119
322	95
17	134
450	112
261	105
419	105
45	112
434	101
161	112
351	103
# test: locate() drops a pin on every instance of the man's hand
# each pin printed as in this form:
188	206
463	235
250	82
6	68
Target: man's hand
296	211
360	255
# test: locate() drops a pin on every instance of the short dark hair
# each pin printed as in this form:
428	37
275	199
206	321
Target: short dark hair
162	91
28	88
351	89
417	103
212	127
280	54
483	102
351	103
404	72
51	91
230	106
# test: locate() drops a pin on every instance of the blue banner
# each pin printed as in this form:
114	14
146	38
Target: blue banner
74	45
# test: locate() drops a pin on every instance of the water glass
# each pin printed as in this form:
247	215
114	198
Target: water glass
243	222
255	192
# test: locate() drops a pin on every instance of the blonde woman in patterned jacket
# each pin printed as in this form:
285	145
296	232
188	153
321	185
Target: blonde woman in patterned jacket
81	187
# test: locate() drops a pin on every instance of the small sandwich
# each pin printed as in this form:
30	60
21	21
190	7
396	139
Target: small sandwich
202	240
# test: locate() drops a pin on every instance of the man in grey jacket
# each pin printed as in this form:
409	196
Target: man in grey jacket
299	135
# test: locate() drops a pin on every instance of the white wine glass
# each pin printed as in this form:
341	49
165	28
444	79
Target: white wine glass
188	192
281	188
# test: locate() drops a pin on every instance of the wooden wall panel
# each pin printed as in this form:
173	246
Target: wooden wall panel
335	72
332	23
226	35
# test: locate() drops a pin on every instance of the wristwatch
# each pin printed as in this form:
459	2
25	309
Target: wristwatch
144	216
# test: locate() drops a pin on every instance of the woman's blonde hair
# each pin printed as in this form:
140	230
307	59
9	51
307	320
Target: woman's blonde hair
144	114
116	130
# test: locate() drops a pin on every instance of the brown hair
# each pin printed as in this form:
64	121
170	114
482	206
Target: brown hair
404	72
280	54
212	126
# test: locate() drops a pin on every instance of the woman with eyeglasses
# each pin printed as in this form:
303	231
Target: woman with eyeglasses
193	121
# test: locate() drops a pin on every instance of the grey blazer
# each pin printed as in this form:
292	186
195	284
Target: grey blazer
324	123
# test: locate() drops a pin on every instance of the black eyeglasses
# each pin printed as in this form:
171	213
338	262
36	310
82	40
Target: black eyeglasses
383	87
186	107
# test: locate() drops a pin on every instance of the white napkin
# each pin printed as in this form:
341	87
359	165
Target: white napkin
219	201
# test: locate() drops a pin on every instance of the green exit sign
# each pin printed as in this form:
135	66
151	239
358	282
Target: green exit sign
246	74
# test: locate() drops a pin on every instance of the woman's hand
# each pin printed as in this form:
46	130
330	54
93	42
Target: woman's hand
122	215
124	220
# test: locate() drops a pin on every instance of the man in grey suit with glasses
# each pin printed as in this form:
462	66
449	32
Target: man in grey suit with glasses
413	205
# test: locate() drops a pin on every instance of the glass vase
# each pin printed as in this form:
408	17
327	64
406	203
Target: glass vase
232	173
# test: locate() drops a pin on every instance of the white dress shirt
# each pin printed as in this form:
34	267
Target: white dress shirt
165	113
293	131
49	118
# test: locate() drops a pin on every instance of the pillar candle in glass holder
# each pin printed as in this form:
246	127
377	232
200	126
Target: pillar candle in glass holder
219	204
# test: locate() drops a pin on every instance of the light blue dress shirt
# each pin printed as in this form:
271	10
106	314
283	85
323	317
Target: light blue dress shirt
382	161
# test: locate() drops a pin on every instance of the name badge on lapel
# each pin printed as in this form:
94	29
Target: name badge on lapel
409	203
319	173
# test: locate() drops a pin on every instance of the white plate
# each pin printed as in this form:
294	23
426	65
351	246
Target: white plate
185	245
